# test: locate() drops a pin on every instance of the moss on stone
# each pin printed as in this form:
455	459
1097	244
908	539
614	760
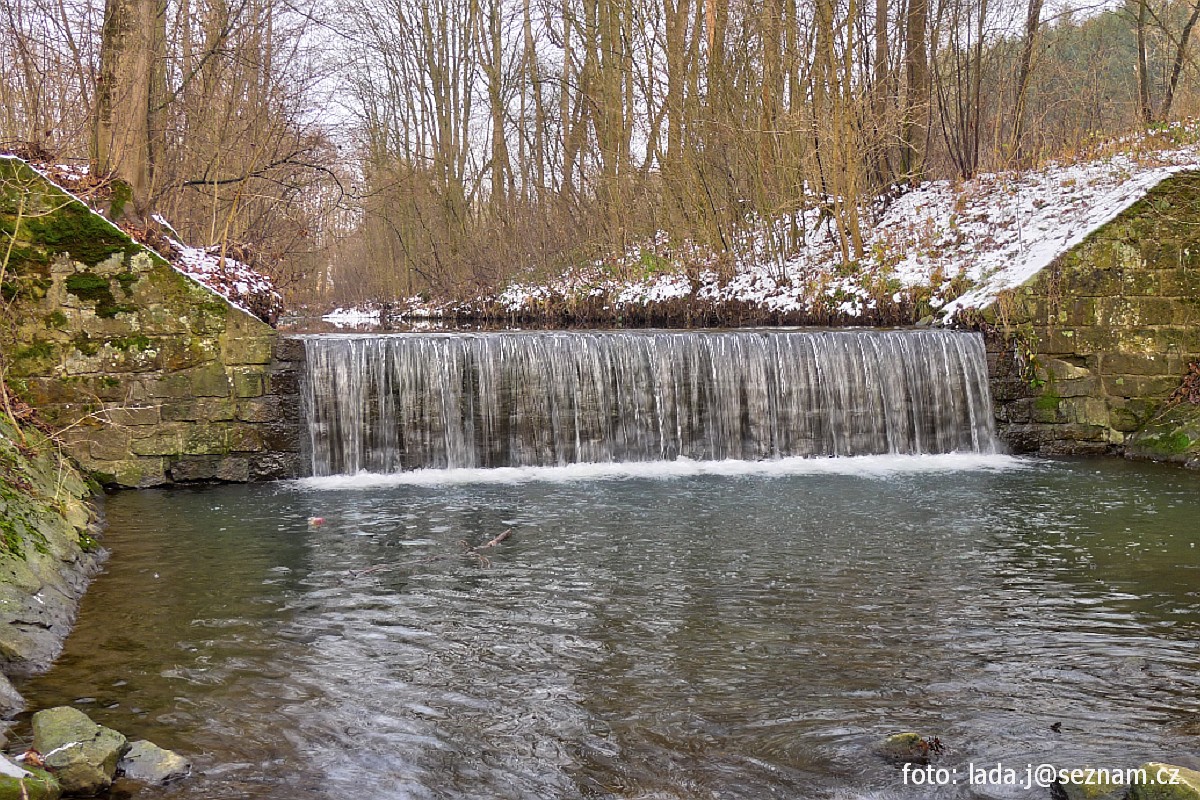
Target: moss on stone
93	288
74	230
1048	402
56	319
127	280
137	342
85	344
122	193
35	351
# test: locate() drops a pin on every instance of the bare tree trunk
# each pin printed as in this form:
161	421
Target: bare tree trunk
1180	57
121	142
1143	72
914	128
1033	20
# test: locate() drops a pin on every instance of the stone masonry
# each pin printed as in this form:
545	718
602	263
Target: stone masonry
148	377
1083	356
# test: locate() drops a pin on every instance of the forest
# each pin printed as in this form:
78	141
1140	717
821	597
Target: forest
391	148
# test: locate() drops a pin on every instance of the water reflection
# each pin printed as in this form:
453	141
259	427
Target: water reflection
701	636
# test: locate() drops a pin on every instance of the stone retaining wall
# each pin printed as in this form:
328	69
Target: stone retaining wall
148	377
1083	356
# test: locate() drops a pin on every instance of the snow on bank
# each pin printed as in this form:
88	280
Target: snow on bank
943	245
240	284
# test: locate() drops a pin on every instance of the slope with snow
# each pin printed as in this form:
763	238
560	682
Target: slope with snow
953	246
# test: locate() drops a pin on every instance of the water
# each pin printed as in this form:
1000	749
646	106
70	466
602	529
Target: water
688	631
411	401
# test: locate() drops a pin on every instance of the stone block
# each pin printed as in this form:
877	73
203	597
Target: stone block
109	444
290	349
186	351
165	439
207	381
1085	411
284	380
247	349
1179	282
1141	386
1079	387
1017	411
249	382
137	473
188	469
1116	311
1155	310
1145	363
1047	409
1137	280
127	415
265	409
243	438
276	466
279	437
1062	370
159	320
208	409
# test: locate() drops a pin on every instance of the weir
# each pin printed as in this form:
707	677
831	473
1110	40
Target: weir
413	401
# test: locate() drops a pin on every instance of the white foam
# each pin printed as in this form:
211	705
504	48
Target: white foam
861	466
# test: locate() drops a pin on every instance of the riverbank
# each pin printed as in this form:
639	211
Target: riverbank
48	552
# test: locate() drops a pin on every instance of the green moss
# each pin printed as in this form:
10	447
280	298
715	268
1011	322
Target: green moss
74	230
109	382
56	319
136	342
1168	444
93	288
89	543
86	345
127	280
121	195
32	288
1048	402
37	349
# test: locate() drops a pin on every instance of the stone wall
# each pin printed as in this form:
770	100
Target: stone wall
149	377
1084	355
48	551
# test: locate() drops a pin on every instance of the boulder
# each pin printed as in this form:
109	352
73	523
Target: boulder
18	782
1167	782
908	747
11	702
149	763
1089	785
80	753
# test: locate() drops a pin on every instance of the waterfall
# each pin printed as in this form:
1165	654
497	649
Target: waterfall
408	401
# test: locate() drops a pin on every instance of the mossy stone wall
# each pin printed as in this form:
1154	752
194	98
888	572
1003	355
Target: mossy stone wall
48	549
1083	356
150	377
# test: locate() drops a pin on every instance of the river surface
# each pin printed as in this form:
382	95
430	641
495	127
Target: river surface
654	631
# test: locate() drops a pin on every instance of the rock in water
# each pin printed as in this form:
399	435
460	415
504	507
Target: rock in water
149	763
26	783
80	753
1166	782
1089	784
910	747
11	702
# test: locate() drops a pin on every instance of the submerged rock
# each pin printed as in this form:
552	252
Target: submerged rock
1167	782
19	782
81	754
149	763
910	747
1090	785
